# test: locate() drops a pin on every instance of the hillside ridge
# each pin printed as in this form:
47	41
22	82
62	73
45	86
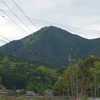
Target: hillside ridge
53	45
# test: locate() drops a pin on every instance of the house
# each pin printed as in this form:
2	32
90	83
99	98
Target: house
30	93
48	93
19	90
2	93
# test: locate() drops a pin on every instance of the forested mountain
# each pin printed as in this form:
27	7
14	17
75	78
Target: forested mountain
19	72
53	45
33	63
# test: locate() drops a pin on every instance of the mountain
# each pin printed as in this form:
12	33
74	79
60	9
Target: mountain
18	73
53	45
7	59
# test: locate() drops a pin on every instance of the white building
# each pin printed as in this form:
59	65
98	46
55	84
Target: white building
48	92
2	93
30	93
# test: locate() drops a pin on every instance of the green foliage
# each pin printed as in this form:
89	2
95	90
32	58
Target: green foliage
23	98
41	79
0	80
81	78
83	97
21	74
53	45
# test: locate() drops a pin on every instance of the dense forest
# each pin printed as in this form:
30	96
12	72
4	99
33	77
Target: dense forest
52	59
80	77
53	45
21	74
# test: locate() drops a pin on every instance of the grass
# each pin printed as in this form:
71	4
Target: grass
23	98
33	98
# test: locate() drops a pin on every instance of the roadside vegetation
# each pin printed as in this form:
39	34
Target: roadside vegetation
79	79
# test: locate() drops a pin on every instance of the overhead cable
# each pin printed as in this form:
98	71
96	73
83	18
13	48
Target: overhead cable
67	27
43	22
16	15
5	38
14	22
25	14
11	22
3	41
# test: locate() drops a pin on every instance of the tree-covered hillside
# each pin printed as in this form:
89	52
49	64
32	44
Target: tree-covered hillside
53	45
80	78
22	74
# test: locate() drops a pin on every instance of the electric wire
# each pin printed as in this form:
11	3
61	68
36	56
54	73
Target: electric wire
3	41
11	23
43	22
5	38
67	27
11	45
16	15
14	22
47	39
70	28
24	13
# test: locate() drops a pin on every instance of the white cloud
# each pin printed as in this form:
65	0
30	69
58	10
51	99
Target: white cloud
76	13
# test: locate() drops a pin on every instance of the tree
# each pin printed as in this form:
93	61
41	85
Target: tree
80	77
41	79
0	80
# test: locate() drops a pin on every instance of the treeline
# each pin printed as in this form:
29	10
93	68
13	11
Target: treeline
21	74
79	78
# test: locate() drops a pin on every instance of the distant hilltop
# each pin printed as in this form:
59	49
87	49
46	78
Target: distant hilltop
53	45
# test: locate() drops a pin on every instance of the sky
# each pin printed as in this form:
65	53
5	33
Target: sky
19	18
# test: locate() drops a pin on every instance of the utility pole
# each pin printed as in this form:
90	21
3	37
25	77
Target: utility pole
71	77
74	89
69	58
95	82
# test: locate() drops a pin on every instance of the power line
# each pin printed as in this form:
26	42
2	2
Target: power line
3	41
16	15
24	14
44	36
77	29
10	22
14	21
69	28
5	38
